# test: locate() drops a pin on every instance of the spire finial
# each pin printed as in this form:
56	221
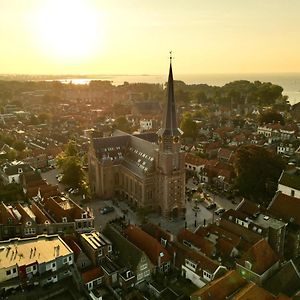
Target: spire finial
171	57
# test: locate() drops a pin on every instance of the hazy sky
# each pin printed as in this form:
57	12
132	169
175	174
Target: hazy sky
134	36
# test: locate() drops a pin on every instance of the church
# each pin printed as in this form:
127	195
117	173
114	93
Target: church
145	170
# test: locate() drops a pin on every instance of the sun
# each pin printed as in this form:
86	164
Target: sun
68	29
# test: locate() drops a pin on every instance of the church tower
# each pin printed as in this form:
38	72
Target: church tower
170	159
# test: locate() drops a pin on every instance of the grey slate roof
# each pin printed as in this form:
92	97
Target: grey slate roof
135	152
286	280
129	254
290	179
13	168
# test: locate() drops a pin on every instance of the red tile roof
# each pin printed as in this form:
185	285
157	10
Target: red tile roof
6	215
60	207
181	252
285	207
221	288
194	160
92	274
157	232
253	292
147	243
261	256
41	218
205	246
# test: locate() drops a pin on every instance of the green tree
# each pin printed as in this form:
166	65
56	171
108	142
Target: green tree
71	165
121	123
271	116
257	171
19	145
188	126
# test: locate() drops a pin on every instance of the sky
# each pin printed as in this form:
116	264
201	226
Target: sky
135	36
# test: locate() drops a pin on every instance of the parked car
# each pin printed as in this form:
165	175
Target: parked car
220	211
211	206
107	209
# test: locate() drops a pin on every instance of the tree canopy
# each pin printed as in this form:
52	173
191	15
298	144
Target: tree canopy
257	172
188	126
121	123
271	116
71	165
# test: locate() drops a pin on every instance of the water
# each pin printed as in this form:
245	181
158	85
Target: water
289	81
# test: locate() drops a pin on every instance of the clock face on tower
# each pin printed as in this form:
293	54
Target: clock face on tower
175	139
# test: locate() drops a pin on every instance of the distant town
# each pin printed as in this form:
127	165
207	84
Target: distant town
149	191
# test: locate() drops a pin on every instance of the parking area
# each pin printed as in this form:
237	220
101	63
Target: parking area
196	208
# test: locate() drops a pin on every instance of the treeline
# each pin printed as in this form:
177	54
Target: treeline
233	93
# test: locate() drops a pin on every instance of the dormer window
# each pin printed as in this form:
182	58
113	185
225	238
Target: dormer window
28	223
64	220
20	170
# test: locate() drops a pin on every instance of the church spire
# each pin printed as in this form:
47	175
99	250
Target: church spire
170	126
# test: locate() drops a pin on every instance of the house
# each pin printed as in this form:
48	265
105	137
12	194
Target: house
96	246
163	236
225	155
285	148
158	255
64	210
258	263
287	208
221	288
227	245
37	161
128	256
233	286
92	277
259	224
194	163
289	182
197	242
195	266
11	171
285	281
80	258
37	260
252	292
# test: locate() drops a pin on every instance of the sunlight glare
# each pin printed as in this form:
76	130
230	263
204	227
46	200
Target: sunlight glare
69	30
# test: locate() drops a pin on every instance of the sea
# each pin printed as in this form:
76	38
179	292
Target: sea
290	82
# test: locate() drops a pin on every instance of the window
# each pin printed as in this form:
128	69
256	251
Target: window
70	258
292	193
143	267
8	272
53	265
65	260
34	267
64	219
28	231
14	270
109	248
